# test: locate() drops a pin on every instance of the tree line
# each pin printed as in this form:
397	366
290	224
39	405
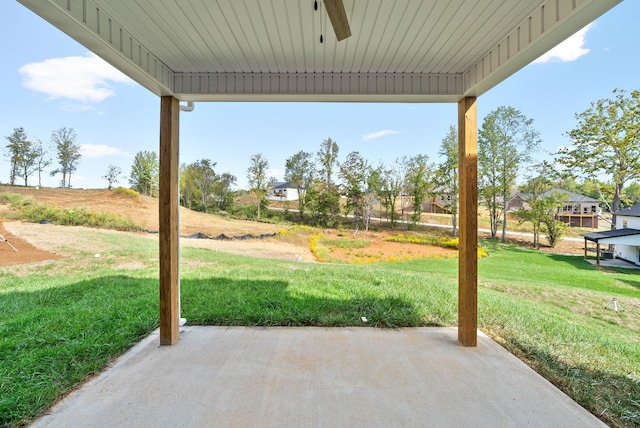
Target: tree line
29	156
602	162
201	187
603	159
321	180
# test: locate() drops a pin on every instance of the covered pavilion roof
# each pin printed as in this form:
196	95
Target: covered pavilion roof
255	50
318	50
616	236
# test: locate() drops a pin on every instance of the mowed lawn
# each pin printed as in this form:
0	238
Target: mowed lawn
63	320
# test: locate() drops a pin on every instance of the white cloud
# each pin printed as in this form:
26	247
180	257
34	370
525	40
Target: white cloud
378	134
569	50
100	150
79	78
275	172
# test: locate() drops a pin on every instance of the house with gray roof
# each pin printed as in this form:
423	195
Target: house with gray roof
577	211
282	191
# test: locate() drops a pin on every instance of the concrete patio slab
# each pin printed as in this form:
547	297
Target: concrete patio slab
317	377
617	263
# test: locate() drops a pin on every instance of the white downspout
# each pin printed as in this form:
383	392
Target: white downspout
188	107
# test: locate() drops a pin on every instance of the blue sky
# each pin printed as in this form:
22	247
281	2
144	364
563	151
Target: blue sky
49	81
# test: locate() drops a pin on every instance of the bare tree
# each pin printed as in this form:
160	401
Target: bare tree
42	159
112	175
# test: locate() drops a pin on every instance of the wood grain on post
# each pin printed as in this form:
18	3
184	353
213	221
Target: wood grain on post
169	220
468	247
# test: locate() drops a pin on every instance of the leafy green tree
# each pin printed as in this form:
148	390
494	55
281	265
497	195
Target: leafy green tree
223	190
328	160
112	175
354	172
68	152
391	180
420	174
537	184
204	178
300	172
631	194
600	190
554	227
606	142
325	199
372	194
187	187
145	173
505	143
258	180
21	156
446	177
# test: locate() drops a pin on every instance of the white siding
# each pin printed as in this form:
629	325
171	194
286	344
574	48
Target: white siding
628	253
631	222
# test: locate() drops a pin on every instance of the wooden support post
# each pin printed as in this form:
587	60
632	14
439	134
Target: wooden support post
169	220
598	254
585	248
468	248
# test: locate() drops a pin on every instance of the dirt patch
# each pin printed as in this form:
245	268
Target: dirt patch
26	253
143	211
263	248
377	248
573	247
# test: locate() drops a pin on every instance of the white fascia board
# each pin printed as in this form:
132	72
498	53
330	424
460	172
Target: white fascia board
545	28
329	87
623	240
90	26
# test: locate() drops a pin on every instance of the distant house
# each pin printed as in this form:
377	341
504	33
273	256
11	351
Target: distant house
577	211
282	191
518	202
628	247
439	201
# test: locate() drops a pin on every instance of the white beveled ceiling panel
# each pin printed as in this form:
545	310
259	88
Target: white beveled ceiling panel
400	50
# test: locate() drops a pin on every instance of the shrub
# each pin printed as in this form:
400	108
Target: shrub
16	200
76	217
319	252
453	243
129	193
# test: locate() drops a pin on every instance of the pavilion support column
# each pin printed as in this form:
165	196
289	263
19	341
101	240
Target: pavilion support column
468	248
585	248
598	253
169	221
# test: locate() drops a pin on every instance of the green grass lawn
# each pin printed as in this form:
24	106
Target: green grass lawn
63	321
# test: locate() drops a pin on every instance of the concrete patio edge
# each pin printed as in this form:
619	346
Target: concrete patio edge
311	376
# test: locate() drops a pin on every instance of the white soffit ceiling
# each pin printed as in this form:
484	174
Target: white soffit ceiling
270	50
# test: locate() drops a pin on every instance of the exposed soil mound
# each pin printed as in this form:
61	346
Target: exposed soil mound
26	253
144	210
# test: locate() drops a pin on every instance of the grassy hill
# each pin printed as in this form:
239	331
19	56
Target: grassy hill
143	210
